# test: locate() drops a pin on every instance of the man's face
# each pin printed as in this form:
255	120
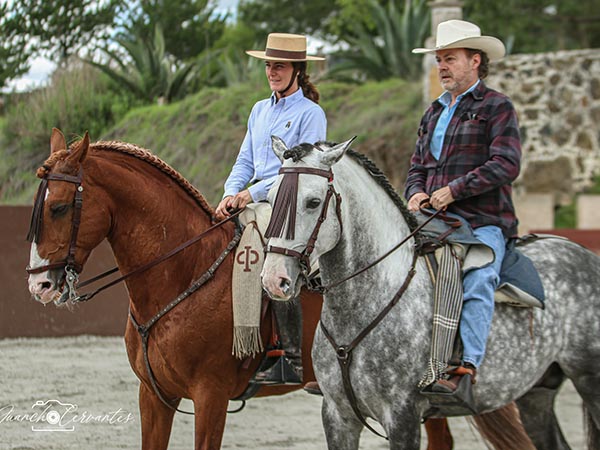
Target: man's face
456	70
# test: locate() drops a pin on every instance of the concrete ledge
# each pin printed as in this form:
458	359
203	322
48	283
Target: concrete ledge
590	239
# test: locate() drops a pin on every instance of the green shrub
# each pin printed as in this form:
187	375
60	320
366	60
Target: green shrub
79	98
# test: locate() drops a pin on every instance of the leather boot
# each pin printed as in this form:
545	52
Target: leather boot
312	387
451	384
289	323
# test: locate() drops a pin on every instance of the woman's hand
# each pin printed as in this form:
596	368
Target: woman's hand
238	201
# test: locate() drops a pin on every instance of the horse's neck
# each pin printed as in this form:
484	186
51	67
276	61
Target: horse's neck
151	215
372	225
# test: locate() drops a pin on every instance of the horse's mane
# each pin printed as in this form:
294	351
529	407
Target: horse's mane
138	153
147	156
385	184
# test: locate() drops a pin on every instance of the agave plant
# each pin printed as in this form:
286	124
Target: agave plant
235	67
384	50
142	66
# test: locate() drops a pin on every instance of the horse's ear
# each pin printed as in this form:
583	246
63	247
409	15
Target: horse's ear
79	151
335	153
57	141
279	147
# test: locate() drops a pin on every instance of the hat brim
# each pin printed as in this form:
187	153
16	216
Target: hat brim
489	44
261	55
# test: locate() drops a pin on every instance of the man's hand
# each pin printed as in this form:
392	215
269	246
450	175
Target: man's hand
441	198
238	201
414	203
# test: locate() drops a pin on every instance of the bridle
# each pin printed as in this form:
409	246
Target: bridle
70	266
304	256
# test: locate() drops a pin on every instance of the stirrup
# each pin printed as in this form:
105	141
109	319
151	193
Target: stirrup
278	370
457	403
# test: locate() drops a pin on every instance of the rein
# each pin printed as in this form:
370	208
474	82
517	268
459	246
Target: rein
71	267
330	286
186	244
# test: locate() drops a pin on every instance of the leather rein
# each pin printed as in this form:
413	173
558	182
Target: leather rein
344	352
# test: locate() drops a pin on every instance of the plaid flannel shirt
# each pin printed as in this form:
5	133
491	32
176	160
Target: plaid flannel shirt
480	158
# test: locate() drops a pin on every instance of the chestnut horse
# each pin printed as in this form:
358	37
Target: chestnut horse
146	209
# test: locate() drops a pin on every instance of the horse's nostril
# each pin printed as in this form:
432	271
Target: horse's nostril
46	285
284	286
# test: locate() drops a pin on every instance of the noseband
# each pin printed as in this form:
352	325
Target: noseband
71	267
286	201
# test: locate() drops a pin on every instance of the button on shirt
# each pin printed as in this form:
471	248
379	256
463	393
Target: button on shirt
437	141
295	119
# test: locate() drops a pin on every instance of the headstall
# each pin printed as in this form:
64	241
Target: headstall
287	200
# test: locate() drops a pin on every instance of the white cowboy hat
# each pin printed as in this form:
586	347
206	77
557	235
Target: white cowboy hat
461	34
285	47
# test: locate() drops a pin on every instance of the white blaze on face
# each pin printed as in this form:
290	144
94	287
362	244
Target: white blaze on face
40	286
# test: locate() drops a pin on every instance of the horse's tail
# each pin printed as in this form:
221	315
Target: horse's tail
592	430
503	429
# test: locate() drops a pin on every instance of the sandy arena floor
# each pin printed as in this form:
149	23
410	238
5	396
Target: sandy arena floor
93	374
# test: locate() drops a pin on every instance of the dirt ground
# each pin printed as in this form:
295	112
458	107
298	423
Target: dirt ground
92	374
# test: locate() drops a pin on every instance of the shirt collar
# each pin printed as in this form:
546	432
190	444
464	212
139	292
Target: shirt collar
446	97
289	100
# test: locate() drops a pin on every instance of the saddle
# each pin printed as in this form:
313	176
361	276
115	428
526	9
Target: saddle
520	284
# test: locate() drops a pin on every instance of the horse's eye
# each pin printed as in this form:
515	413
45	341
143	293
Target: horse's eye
59	209
313	203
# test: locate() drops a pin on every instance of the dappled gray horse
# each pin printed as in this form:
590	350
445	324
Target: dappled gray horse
524	346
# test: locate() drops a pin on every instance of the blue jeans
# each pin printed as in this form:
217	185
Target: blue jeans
478	307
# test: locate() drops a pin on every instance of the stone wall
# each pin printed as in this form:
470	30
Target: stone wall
557	97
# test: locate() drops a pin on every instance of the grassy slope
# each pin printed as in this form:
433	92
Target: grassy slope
200	136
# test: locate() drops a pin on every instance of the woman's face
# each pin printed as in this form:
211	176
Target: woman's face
279	74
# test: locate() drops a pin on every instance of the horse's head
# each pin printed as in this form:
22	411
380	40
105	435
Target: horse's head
62	233
305	206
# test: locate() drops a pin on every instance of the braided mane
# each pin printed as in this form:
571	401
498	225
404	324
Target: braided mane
385	184
147	156
138	153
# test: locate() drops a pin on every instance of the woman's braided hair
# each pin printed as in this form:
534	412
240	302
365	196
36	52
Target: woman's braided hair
308	89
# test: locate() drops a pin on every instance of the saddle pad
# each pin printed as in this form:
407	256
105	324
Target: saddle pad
520	283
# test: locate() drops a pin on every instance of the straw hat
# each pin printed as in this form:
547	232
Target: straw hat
461	34
284	47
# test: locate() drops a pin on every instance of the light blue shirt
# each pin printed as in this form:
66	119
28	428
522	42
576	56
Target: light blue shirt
437	140
295	119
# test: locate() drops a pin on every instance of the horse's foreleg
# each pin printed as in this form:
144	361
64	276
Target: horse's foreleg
438	434
404	431
157	420
341	431
210	407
